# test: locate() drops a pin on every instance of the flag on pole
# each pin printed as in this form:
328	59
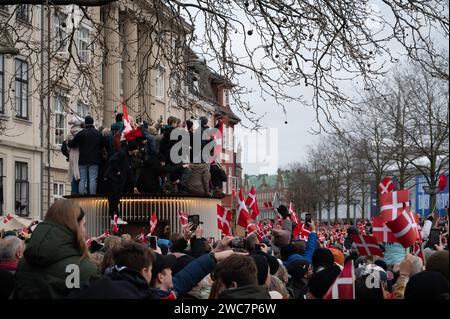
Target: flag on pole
183	217
367	245
244	217
386	185
7	218
224	220
381	232
218	140
126	121
392	204
141	237
153	223
344	285
115	227
404	228
252	203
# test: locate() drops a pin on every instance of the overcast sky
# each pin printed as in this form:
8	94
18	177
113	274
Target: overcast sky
289	141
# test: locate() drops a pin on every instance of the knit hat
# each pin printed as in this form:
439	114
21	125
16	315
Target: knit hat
338	256
263	268
322	257
438	261
381	263
297	269
287	251
162	262
322	280
427	285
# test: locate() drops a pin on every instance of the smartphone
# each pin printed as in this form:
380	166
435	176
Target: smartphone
433	238
152	241
194	220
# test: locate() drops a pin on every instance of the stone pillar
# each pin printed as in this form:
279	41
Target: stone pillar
130	72
111	71
145	73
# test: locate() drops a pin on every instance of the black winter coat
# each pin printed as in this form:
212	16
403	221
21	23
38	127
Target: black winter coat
119	174
90	143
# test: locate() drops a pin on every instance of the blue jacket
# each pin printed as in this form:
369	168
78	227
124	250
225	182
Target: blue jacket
189	276
309	251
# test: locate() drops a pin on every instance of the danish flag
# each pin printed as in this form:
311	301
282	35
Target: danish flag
7	218
183	217
367	245
126	122
344	285
386	185
244	218
265	205
153	223
292	214
115	227
405	228
392	204
141	237
279	219
224	220
418	251
252	203
381	232
270	204
218	140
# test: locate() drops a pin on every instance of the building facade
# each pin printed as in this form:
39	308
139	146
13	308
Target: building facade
84	74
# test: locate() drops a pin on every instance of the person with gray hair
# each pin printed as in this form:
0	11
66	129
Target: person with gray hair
11	251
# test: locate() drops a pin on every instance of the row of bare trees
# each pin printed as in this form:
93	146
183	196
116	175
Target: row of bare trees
399	130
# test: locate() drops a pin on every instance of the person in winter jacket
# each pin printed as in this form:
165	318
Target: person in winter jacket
129	278
166	286
74	155
119	175
11	251
300	271
115	135
56	243
310	248
90	144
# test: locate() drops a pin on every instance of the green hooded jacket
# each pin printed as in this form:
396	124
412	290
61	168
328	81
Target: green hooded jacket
41	273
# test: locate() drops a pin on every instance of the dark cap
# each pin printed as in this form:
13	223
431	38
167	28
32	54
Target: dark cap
132	145
163	262
88	120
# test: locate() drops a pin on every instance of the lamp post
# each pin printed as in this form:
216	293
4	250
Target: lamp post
431	190
354	202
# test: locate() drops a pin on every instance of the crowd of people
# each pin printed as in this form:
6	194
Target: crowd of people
37	263
117	161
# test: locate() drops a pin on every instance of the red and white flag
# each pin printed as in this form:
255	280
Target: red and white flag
244	217
224	220
183	217
418	251
115	227
381	232
367	245
344	285
7	218
279	219
141	237
269	203
126	121
265	205
386	185
106	233
218	141
404	228
153	223
252	203
292	214
392	204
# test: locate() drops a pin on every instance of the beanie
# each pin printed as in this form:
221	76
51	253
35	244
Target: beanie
322	280
132	145
263	268
88	120
297	269
322	257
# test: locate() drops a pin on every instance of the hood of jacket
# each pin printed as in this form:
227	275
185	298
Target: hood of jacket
49	244
246	292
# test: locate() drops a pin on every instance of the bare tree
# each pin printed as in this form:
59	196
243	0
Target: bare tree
282	45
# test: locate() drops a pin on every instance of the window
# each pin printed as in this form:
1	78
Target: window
22	12
159	81
1	186
2	81
21	89
22	189
82	109
60	29
58	191
61	103
83	44
226	97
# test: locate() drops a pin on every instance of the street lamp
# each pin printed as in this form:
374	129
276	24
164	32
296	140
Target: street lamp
354	202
